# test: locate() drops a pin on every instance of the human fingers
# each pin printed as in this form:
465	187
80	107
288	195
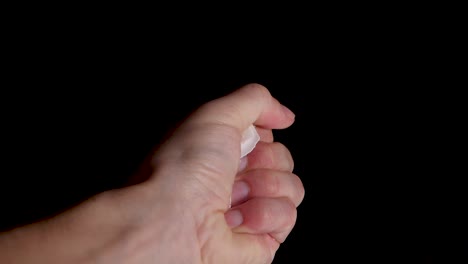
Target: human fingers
225	119
267	183
269	156
273	216
251	104
208	142
266	135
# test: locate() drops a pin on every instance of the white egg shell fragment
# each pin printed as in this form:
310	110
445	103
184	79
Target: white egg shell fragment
250	139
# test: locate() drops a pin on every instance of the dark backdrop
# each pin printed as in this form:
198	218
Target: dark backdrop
372	141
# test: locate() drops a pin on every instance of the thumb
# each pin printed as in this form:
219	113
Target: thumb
205	148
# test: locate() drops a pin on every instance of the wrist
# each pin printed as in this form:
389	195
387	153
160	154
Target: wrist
147	226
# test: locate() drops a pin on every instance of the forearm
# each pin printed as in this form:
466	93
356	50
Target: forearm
104	229
75	236
37	243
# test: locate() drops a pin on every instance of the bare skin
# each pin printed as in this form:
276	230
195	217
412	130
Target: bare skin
181	213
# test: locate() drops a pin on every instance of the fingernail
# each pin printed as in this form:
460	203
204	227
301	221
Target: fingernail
288	112
243	164
234	218
240	191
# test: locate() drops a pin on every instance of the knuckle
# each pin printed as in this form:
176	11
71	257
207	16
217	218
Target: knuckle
284	156
299	190
260	89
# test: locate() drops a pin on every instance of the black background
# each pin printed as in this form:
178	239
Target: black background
374	138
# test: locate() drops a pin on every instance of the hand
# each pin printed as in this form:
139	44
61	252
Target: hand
181	213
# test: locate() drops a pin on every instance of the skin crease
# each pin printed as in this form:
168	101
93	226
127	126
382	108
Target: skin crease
179	211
